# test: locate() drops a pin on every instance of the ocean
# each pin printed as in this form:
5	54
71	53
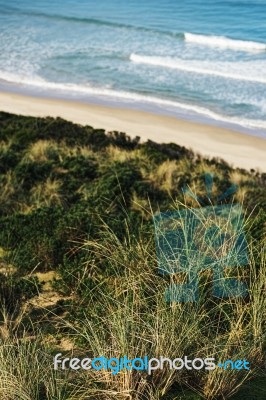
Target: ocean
194	59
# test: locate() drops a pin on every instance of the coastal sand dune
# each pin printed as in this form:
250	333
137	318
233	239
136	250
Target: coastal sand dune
240	150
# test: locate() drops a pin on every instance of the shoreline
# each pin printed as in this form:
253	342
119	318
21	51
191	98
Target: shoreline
238	149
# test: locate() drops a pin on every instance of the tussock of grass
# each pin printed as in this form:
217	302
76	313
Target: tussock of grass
47	193
27	373
165	175
7	188
41	151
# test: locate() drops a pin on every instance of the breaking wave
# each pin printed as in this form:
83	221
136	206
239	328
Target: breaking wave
244	71
224	42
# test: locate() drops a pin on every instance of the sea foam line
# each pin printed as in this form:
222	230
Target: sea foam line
86	89
224	42
209	67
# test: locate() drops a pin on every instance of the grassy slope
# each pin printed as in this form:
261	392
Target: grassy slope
65	188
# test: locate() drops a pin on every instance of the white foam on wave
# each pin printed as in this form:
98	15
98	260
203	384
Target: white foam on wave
21	79
130	97
224	42
250	71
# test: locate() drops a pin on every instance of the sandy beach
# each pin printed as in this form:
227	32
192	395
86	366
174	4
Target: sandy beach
240	150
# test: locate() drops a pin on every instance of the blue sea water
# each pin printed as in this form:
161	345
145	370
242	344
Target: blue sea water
197	59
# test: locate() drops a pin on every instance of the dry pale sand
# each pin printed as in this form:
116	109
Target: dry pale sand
238	149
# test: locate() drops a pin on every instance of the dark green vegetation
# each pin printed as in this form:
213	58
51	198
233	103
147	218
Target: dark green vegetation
76	230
